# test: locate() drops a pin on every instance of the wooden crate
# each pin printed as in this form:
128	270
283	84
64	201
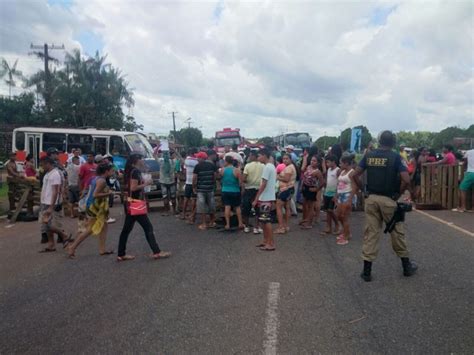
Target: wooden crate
440	185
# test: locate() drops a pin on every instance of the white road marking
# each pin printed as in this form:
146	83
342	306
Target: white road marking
271	320
449	224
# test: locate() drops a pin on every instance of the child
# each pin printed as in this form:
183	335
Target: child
345	192
329	195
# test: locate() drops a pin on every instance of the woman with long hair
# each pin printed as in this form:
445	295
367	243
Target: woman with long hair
346	187
313	182
231	195
97	210
286	179
135	185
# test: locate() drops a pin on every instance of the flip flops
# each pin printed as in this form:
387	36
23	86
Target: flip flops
47	250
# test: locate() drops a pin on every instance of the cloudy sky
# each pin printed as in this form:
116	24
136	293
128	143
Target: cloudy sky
267	66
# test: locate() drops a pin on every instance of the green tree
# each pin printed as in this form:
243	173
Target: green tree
189	137
415	139
20	110
87	92
446	136
266	141
12	74
325	142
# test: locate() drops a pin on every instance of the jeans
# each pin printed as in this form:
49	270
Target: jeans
144	221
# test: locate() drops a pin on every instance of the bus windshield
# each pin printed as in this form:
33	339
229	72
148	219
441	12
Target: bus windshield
301	140
221	142
139	144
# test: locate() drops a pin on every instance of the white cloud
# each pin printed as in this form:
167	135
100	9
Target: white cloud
267	67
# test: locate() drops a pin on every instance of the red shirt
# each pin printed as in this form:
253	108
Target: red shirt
86	173
450	158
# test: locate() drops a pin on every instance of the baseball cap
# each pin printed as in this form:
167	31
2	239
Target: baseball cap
201	155
98	158
52	150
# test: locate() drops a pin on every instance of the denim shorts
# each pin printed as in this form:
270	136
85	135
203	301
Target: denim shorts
168	190
205	202
286	195
343	197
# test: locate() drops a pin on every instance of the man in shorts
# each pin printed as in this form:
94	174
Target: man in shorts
50	215
468	181
251	178
74	191
204	181
265	200
168	181
189	196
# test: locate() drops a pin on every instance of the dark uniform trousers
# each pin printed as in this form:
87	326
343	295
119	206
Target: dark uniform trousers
380	209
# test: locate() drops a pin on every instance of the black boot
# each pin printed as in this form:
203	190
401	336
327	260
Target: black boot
44	238
409	267
366	272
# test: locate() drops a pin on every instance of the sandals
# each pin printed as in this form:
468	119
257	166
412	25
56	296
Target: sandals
306	226
260	245
202	227
161	255
67	241
125	258
47	250
280	231
267	249
212	225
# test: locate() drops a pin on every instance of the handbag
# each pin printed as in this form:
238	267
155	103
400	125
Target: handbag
136	207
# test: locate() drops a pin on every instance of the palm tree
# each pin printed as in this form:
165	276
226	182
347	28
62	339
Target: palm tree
12	73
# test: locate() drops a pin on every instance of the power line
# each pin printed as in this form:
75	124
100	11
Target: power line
46	58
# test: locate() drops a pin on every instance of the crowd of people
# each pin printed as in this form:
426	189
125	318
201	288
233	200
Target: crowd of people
257	189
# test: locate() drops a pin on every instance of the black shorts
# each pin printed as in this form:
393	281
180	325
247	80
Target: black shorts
249	197
188	191
231	199
286	195
309	195
328	203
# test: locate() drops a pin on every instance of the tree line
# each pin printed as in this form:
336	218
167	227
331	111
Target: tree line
81	92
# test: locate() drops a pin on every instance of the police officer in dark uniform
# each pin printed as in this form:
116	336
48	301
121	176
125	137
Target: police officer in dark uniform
387	179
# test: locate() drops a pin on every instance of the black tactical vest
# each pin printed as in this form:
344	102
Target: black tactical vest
382	176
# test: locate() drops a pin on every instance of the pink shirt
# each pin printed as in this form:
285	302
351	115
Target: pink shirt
450	158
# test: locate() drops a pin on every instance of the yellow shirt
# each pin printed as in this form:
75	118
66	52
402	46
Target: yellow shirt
253	171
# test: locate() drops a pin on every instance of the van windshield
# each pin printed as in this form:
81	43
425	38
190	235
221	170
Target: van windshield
139	144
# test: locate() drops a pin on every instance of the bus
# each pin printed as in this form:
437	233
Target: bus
118	144
228	137
300	140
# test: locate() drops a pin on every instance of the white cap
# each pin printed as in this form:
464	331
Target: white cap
292	147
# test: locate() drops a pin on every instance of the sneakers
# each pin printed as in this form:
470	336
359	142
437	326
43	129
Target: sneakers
342	241
111	220
257	231
246	229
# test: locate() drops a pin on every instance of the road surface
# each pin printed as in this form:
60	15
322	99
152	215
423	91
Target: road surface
218	294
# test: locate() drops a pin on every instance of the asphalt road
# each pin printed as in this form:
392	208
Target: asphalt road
212	296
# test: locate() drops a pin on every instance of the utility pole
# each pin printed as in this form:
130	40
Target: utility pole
188	121
173	113
47	77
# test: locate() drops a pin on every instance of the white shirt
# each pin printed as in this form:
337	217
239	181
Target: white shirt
470	160
52	178
331	184
189	164
269	174
81	160
73	174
